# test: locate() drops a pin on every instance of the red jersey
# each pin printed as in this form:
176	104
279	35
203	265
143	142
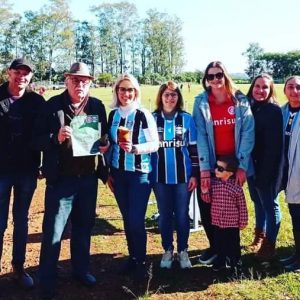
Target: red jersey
223	117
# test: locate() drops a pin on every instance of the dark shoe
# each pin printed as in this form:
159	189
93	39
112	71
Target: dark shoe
293	267
208	257
258	240
219	264
140	273
86	279
128	266
266	252
289	260
46	295
22	278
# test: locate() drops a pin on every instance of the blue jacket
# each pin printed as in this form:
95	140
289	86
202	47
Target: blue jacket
244	132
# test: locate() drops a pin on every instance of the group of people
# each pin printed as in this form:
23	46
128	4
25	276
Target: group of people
229	139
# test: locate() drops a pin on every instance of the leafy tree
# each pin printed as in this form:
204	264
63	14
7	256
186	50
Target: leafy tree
105	78
176	45
9	45
281	65
253	53
6	14
163	43
119	41
116	23
86	46
58	35
9	22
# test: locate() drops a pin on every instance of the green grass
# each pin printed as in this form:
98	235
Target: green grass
149	94
262	282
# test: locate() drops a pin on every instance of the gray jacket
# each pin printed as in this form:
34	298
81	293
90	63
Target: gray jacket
244	132
292	191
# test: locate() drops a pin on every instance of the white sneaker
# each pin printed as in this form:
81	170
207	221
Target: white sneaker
184	260
167	259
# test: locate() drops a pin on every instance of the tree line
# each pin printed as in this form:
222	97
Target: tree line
117	40
279	65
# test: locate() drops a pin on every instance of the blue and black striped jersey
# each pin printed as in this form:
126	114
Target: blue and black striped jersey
177	159
143	134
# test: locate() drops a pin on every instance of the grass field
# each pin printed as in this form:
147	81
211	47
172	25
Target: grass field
149	94
261	282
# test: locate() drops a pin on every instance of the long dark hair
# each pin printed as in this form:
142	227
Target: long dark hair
272	95
229	85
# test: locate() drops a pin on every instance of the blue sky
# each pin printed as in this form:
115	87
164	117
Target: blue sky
215	29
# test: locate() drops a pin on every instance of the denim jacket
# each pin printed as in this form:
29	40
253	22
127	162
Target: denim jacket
244	132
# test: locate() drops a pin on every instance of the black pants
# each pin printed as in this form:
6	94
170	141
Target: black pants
205	213
227	242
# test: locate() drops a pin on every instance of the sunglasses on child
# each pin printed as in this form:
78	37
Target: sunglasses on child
211	77
220	168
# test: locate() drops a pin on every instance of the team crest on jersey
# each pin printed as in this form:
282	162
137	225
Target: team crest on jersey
178	130
129	123
231	110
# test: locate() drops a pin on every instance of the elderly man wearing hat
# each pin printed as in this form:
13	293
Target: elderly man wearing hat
18	162
71	181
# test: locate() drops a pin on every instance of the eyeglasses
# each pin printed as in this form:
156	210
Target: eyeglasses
77	81
220	168
123	90
167	95
211	77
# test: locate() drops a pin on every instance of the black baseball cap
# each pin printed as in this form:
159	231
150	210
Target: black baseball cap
21	62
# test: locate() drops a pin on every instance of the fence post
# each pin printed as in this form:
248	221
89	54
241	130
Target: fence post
194	212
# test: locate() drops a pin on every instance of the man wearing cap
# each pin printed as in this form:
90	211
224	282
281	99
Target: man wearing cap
18	162
71	189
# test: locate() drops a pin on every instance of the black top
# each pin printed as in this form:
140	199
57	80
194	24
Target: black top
58	158
16	126
268	146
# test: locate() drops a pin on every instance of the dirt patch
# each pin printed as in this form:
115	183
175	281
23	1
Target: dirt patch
108	251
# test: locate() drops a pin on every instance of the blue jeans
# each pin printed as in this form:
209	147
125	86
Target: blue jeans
267	209
173	202
24	185
132	191
76	197
294	209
